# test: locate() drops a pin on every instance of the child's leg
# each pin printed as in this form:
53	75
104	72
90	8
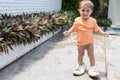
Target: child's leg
80	54
80	69
93	71
91	54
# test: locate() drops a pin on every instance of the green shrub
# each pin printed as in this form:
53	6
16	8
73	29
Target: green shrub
71	5
27	28
105	23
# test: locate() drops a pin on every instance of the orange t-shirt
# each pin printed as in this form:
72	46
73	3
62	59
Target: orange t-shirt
84	29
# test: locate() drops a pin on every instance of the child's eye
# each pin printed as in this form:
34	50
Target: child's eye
87	10
83	10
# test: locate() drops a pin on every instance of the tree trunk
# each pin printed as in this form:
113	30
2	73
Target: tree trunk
101	9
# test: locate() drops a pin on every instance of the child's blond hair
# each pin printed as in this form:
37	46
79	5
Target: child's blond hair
86	3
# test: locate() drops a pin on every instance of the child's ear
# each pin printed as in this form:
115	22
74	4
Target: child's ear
91	11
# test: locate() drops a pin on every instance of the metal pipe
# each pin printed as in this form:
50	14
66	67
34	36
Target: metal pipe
106	62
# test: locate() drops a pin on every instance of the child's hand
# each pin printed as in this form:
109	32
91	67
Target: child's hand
66	33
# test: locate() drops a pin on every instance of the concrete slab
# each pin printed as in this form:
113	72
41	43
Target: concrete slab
113	55
56	59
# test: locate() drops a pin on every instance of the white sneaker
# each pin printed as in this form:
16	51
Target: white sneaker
80	69
93	72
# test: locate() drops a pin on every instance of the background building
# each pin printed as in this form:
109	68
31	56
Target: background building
114	12
29	6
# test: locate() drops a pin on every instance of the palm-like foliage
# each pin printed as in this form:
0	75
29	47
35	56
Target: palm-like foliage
28	28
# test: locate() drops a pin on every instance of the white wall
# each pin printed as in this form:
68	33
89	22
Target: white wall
29	6
114	11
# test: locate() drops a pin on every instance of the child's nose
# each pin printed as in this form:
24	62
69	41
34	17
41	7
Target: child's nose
85	12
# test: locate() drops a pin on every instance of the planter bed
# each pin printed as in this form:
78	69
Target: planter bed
22	50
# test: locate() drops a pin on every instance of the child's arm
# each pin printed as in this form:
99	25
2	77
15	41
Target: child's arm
103	33
72	29
99	30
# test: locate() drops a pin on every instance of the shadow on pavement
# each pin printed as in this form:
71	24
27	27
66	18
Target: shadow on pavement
24	62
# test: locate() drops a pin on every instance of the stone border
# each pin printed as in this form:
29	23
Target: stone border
113	31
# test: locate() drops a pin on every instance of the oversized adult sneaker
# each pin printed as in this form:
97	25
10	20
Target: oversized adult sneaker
93	72
80	69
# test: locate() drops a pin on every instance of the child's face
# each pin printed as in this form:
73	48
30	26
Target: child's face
85	12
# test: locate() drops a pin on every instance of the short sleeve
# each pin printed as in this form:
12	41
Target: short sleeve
75	25
96	27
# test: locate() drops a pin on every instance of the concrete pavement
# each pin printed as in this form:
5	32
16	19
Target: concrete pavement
56	59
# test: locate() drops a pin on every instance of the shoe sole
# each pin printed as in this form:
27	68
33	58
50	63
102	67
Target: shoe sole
96	76
79	74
